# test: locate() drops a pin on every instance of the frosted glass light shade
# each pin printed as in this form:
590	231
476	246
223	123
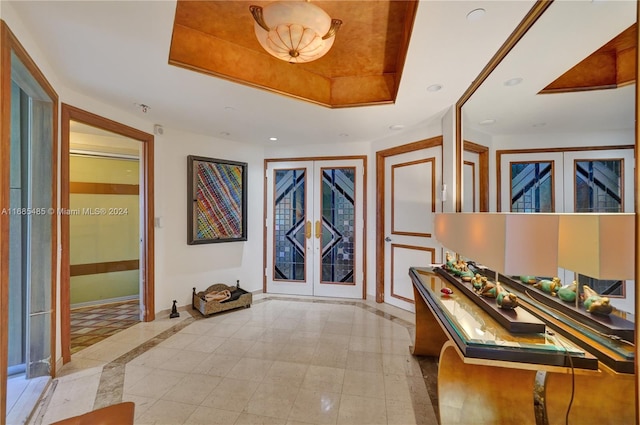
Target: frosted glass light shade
510	243
294	31
600	246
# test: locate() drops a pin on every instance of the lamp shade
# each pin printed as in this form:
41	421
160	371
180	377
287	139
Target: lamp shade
510	243
601	246
294	31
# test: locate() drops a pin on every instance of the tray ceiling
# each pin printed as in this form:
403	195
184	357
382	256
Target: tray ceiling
363	67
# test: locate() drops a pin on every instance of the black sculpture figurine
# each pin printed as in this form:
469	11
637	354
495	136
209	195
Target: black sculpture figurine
174	311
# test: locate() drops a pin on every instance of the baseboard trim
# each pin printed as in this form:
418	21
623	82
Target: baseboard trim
105	301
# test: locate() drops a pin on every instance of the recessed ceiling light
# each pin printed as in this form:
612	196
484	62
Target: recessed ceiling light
513	82
225	133
343	135
273	139
539	124
434	87
487	122
396	127
475	14
229	108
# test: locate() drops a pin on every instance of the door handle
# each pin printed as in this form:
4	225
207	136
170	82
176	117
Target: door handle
387	239
318	229
307	230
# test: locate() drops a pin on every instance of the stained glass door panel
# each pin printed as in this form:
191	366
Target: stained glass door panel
315	228
290	225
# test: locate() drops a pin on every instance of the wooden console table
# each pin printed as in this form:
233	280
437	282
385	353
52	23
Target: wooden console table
487	375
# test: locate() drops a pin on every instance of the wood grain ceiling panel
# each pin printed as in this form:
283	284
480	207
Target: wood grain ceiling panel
613	65
363	67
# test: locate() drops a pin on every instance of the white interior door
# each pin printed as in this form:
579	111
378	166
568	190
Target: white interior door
315	228
411	182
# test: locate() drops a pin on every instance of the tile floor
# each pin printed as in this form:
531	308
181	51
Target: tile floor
90	325
286	360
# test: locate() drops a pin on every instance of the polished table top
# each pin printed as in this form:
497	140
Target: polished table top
479	335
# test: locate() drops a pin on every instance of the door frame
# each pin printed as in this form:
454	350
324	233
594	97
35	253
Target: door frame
363	158
380	198
68	114
483	163
9	42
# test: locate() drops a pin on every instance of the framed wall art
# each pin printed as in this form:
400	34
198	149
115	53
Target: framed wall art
217	200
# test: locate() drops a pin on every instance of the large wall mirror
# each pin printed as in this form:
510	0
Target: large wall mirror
557	110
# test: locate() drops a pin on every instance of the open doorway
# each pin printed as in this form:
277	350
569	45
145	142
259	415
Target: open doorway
106	228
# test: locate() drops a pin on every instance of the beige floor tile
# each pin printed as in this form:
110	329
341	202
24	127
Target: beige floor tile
265	350
365	384
355	410
142	403
395	346
408	413
250	369
316	407
134	373
210	416
223	330
249	332
184	361
165	412
179	340
297	353
337	328
286	373
273	400
231	394
401	365
362	360
205	344
219	364
365	343
323	378
234	347
156	383
370	330
192	389
154	358
327	355
251	419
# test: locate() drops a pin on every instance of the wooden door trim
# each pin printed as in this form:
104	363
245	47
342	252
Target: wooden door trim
380	199
147	230
363	158
483	164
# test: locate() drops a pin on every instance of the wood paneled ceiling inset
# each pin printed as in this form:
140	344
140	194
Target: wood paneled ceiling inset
363	67
613	65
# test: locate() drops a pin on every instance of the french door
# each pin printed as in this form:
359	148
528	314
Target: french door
590	181
315	228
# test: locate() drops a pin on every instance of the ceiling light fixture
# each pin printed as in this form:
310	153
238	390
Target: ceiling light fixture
487	122
296	32
273	139
475	14
396	127
513	82
434	87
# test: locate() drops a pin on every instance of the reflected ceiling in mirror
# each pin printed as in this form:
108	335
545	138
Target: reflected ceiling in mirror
508	101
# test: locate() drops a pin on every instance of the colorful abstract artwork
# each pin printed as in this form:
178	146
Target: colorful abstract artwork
217	200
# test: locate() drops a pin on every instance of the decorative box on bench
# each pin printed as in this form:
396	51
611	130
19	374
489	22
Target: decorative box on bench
238	298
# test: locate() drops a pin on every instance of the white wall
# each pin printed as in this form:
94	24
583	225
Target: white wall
180	267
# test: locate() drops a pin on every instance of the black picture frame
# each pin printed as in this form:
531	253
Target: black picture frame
216	200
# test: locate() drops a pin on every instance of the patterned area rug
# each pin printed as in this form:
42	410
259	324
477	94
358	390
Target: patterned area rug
90	325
